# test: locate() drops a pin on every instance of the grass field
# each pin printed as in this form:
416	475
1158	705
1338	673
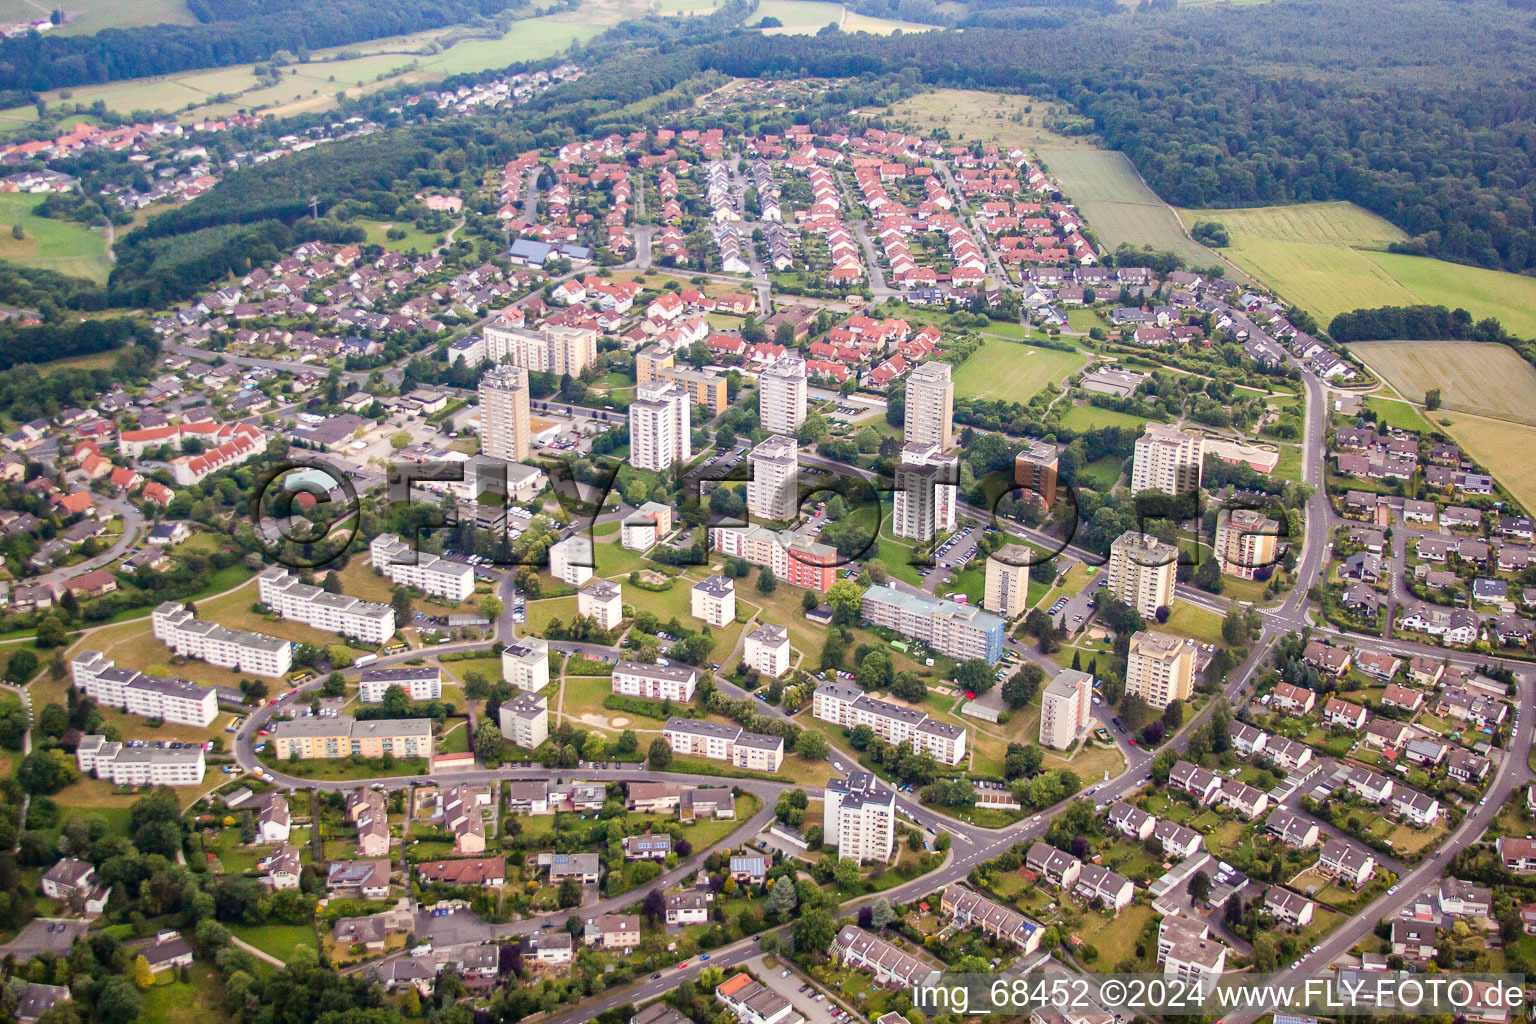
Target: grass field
991	117
1330	258
414	240
1502	447
1119	206
1091	417
1486	379
94	15
277	939
199	999
61	245
1013	371
1397	414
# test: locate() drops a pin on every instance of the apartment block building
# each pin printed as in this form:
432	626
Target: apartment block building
420	682
930	408
657	682
344	736
140	766
859	816
407	567
1160	668
714	601
549	349
255	653
1034	469
660	426
1066	709
171	700
959	631
850	707
927	486
1007	585
773	487
767	650
1246	540
718	741
505	419
782	390
1142	571
794	558
525	719
1167	459
602	601
348	616
571	561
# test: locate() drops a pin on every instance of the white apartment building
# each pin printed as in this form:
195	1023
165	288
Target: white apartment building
718	741
420	682
927	481
782	390
407	567
646	525
1160	668
714	601
1066	709
1007	585
930	409
1167	459
551	349
602	601
368	621
171	700
773	484
850	707
1142	571
525	720
859	816
1245	541
660	426
767	650
256	653
506	431
958	630
658	682
140	766
525	663
570	561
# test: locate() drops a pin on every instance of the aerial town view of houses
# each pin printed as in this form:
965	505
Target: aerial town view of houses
484	551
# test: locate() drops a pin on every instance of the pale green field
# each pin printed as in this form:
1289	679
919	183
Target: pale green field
1013	371
1007	120
1503	447
1120	207
419	241
377	63
1328	258
883	26
61	245
1483	378
797	14
94	15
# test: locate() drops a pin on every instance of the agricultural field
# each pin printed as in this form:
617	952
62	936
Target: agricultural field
62	245
991	117
1331	257
1487	379
1119	206
311	86
1499	445
807	17
82	16
1013	371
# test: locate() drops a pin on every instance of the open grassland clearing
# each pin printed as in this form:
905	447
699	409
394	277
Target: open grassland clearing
1330	258
1013	371
1503	447
1486	379
1119	206
969	114
60	245
83	16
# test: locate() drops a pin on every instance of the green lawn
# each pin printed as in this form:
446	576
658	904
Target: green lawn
1101	474
277	939
1012	370
1188	620
196	1001
1091	417
415	240
65	246
1397	414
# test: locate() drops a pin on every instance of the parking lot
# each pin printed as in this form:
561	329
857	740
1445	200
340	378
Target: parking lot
802	993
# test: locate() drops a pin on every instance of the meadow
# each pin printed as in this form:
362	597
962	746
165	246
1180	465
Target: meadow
1013	371
1330	258
1119	206
61	245
83	16
1486	379
1501	446
1007	120
807	17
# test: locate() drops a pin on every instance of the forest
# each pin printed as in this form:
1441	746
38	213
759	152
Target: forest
228	32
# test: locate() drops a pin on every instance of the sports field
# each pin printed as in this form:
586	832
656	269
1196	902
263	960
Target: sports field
1008	120
1486	379
1330	258
62	245
1012	370
1119	206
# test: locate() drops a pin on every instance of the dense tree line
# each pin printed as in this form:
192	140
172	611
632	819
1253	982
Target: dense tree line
57	341
228	32
1424	323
